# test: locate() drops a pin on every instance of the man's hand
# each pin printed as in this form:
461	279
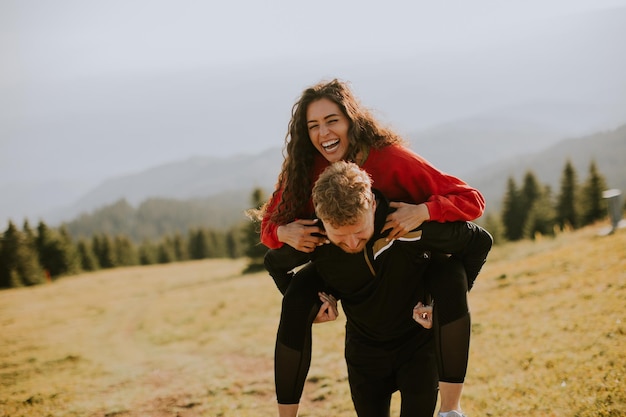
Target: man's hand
302	235
423	314
328	310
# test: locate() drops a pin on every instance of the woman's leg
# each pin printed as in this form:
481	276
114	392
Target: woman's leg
452	328
280	264
292	356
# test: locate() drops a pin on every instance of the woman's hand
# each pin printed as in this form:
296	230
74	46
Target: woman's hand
300	235
406	218
328	310
423	314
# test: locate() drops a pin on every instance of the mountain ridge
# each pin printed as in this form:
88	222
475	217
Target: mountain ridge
452	148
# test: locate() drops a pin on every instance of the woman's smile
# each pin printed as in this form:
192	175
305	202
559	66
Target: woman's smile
328	129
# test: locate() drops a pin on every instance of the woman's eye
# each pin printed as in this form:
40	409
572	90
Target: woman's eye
311	127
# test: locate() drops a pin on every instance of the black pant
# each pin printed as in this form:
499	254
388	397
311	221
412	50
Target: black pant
375	373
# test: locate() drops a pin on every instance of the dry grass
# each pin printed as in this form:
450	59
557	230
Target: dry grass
196	339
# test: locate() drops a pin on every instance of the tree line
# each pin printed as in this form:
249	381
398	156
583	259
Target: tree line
533	209
34	256
30	257
156	217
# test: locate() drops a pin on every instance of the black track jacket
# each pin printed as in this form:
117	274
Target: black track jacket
380	286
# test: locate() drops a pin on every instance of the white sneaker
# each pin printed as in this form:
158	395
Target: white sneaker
452	413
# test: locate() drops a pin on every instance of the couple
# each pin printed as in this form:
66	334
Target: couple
329	125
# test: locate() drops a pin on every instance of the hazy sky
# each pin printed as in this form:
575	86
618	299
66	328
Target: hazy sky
93	89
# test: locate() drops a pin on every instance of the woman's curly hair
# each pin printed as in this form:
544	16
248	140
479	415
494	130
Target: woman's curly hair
365	132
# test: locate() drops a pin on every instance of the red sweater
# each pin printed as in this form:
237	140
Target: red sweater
401	175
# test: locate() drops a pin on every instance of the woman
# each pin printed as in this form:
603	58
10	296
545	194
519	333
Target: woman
329	124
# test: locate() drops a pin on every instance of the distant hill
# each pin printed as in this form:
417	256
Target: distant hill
607	149
485	154
214	192
192	178
461	147
156	217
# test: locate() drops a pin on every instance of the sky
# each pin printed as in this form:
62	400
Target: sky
91	90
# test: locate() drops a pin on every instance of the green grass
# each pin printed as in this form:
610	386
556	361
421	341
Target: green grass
196	339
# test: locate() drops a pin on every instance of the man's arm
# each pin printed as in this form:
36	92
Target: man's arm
464	240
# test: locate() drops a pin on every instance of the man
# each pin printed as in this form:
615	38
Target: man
379	282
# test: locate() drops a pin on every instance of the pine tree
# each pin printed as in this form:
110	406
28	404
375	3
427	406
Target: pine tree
148	253
57	253
181	250
593	206
531	191
540	218
19	263
211	244
72	260
566	207
88	260
255	250
512	212
528	195
5	273
165	253
124	251
103	248
29	236
234	242
198	244
218	244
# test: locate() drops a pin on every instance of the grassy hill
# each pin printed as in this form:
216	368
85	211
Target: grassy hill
196	339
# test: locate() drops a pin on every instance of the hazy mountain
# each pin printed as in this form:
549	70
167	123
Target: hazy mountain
485	155
460	148
486	166
607	149
195	177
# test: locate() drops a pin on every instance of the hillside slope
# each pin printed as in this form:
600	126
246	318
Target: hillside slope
196	339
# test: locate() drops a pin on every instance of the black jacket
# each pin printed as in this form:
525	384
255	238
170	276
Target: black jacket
380	286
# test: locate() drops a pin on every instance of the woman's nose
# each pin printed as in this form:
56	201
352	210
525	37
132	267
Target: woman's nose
323	130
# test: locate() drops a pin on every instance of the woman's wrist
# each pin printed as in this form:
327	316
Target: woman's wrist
278	234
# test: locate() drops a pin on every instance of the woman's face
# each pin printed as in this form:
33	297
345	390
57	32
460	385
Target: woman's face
328	129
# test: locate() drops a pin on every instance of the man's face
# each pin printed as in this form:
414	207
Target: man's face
353	238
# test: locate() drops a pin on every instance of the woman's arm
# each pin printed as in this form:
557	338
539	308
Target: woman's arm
301	234
269	229
423	193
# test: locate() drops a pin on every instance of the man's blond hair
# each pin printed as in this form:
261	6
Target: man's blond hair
342	194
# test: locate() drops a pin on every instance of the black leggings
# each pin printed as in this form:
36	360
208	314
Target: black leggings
292	356
447	282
